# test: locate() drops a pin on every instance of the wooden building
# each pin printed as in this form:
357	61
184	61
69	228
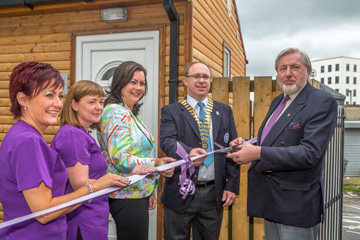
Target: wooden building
87	39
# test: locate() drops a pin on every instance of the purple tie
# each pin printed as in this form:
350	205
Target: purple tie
273	118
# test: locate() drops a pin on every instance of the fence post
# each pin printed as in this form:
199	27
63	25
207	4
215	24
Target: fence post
220	93
263	96
242	116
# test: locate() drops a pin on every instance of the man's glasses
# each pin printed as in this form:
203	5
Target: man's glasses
198	77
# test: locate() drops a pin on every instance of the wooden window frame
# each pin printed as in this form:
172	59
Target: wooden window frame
226	49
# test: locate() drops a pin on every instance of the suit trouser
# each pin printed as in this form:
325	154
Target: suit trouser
278	231
201	215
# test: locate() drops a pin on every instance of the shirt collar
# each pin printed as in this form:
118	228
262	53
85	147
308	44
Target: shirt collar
293	96
193	102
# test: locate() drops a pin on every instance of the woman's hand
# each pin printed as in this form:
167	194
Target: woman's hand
142	170
165	160
152	202
109	180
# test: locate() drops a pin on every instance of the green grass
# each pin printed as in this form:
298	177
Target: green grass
351	188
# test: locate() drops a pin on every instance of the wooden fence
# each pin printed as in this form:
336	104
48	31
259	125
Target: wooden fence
248	118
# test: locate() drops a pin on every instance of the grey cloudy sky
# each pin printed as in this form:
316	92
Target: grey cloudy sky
322	28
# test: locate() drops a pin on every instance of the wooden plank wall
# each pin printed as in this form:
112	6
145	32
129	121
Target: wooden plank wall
212	28
47	38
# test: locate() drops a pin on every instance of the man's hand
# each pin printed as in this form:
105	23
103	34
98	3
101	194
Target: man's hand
165	160
247	153
228	198
196	152
236	141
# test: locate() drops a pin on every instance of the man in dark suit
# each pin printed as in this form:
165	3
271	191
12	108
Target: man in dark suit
196	123
285	185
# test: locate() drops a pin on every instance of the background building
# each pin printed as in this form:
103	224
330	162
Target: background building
341	74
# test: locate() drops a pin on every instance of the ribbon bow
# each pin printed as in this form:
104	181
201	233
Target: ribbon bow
186	185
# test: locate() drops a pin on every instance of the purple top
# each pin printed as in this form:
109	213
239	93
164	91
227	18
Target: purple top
26	160
74	145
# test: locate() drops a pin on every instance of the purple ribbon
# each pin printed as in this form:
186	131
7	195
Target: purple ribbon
186	185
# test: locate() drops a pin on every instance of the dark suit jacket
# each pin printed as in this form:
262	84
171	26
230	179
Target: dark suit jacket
285	185
178	125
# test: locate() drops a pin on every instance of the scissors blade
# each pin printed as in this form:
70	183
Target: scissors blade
227	149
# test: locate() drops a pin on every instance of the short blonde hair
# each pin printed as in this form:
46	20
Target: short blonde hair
76	92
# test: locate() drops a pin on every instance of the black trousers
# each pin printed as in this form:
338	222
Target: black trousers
201	215
131	217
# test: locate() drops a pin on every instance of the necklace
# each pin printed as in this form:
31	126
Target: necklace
204	124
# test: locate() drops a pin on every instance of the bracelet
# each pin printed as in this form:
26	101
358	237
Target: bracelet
90	190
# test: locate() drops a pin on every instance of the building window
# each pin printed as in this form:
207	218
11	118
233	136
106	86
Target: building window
354	103
347	67
329	80
337	89
322	69
355	68
347	103
227	60
322	80
347	92
329	68
347	80
337	79
337	67
354	80
354	92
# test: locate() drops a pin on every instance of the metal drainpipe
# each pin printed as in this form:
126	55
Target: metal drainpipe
174	42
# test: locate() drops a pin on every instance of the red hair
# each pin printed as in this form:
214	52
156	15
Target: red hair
31	78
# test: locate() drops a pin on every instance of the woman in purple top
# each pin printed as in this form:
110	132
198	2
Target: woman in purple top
83	158
32	175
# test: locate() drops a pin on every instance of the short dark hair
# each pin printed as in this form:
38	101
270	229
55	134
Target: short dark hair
186	71
122	76
31	78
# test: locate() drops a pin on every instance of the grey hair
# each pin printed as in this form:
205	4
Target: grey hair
305	58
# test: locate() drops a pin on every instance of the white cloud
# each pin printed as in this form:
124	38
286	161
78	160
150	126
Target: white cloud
322	28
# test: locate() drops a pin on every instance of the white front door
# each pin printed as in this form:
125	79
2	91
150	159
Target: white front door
97	56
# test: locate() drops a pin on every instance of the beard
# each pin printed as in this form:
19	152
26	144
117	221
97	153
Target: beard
289	90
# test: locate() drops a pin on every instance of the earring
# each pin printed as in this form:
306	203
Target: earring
25	108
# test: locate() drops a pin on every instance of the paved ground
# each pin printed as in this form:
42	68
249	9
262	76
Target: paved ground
351	216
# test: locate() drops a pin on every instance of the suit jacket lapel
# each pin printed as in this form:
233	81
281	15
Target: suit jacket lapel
215	118
140	125
272	108
191	120
288	115
285	118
